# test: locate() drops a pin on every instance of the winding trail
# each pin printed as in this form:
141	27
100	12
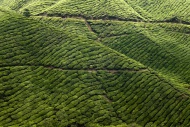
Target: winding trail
110	18
96	70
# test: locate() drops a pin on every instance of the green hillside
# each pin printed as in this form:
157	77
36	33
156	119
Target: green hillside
147	10
94	63
161	46
89	8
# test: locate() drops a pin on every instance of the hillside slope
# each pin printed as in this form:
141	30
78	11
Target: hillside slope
146	10
163	10
60	69
162	46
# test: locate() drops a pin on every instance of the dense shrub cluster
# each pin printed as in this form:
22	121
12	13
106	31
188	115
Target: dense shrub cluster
38	95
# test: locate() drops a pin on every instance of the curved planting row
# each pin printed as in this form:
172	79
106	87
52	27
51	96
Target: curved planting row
38	44
90	8
52	74
40	96
94	9
19	5
165	10
37	96
176	11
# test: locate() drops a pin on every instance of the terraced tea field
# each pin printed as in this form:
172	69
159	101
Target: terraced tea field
95	63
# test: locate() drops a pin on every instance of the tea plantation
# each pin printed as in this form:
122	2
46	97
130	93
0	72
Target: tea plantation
95	63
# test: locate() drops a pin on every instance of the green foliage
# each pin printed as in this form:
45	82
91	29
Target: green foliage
163	46
162	9
60	71
147	10
89	8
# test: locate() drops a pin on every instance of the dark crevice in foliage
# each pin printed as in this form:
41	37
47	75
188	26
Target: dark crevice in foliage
173	20
26	13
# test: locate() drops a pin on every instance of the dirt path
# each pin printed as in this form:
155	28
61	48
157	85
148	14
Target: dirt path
113	71
88	26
